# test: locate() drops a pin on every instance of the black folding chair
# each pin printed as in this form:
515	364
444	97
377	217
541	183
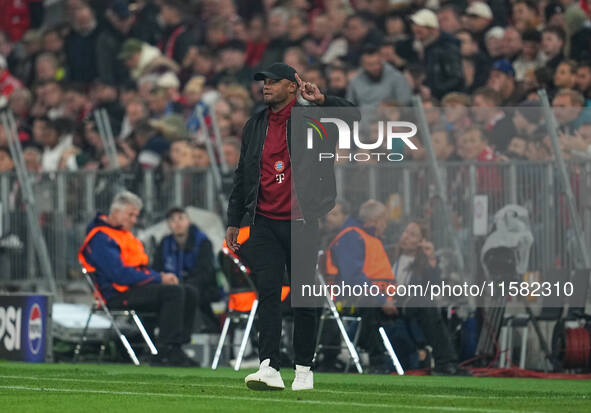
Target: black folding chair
100	305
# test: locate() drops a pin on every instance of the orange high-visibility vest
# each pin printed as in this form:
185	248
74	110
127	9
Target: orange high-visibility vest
131	250
376	265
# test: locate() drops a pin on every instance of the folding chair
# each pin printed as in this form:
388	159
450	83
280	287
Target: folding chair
100	304
242	298
331	312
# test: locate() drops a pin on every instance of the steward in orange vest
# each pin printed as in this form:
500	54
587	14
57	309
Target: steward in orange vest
356	256
117	258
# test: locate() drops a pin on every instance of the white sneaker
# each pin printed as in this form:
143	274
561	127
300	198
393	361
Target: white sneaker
266	378
304	378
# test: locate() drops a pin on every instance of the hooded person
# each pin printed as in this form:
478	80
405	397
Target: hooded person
142	59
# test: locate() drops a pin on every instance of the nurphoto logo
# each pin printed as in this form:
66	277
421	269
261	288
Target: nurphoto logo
388	131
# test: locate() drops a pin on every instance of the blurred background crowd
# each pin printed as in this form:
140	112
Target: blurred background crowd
156	65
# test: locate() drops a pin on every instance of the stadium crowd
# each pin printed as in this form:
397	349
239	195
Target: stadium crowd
154	65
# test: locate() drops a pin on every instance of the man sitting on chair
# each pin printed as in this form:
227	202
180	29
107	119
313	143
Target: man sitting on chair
187	252
120	267
357	256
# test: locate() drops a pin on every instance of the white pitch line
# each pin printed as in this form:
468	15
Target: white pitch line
240	387
261	399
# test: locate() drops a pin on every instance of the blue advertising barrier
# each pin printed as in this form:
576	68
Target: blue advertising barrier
25	331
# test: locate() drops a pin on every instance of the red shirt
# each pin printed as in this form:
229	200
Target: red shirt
15	17
276	191
8	83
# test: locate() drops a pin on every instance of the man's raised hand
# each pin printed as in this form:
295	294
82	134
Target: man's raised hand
309	91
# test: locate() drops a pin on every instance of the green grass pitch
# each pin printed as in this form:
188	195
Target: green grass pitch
89	388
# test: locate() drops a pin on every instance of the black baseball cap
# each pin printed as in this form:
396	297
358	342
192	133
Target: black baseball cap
277	71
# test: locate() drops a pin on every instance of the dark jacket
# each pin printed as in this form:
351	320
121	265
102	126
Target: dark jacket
81	56
443	64
314	181
193	263
176	42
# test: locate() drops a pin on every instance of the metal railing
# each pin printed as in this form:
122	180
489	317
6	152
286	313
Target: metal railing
68	201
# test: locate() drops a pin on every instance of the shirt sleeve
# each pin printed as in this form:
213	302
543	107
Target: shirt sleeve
104	254
349	256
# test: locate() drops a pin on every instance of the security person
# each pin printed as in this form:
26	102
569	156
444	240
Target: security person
120	267
281	201
357	256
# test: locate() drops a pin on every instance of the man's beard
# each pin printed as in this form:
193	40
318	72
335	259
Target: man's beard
376	78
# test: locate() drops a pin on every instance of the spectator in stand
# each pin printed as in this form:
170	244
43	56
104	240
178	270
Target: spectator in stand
119	24
583	81
231	150
277	32
525	15
492	118
142	59
180	154
6	163
444	145
232	61
20	103
565	75
512	43
568	109
177	42
553	40
455	108
530	57
517	148
360	33
32	153
478	19
527	119
160	104
55	138
476	74
135	111
449	19
19	15
337	81
440	55
502	80
8	83
493	39
47	68
201	158
257	42
149	145
377	81
81	46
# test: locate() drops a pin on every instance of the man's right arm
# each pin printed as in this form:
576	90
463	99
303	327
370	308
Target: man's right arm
236	207
349	257
104	254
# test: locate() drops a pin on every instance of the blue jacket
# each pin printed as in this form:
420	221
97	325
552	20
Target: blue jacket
349	254
193	263
104	254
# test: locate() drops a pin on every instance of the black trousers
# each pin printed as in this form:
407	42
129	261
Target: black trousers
268	252
175	305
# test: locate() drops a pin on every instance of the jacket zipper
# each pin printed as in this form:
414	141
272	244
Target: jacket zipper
292	170
256	198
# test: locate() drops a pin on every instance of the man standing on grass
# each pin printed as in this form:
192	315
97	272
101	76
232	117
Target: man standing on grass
279	208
